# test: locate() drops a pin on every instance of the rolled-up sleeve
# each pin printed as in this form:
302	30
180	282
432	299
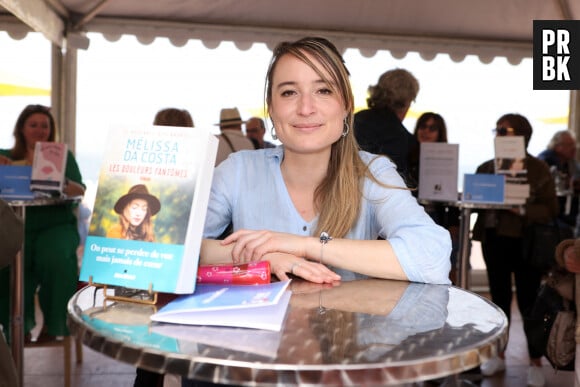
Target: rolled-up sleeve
422	247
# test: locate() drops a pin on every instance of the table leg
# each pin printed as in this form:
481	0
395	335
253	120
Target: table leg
464	241
17	308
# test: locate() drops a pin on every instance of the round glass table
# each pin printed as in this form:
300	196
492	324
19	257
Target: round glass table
372	332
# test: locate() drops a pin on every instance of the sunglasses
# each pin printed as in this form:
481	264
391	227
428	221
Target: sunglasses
503	131
431	128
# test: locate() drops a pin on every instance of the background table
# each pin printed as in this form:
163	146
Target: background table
17	278
366	331
464	245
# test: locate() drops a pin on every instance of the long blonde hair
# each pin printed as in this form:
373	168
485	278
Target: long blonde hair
337	199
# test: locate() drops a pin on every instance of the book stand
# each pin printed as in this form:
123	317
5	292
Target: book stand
138	296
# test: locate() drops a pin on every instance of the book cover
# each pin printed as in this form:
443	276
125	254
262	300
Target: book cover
146	228
15	182
483	188
438	171
245	306
48	167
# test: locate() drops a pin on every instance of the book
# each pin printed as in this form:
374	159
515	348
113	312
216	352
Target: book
483	188
15	182
48	167
244	306
510	161
147	222
438	171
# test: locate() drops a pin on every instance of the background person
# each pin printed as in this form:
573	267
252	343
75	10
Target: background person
560	155
318	184
51	235
430	127
173	117
501	235
379	129
255	131
165	117
232	138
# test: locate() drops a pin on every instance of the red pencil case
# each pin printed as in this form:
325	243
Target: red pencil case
251	273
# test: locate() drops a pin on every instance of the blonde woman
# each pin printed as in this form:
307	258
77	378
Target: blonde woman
315	206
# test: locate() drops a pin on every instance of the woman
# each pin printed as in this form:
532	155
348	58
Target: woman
135	210
501	236
430	127
173	117
315	206
51	234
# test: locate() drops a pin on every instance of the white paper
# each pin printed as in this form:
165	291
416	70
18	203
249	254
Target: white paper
439	165
510	156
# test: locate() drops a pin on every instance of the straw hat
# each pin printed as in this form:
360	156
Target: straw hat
230	116
138	191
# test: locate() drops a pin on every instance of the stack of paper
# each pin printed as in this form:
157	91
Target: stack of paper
510	161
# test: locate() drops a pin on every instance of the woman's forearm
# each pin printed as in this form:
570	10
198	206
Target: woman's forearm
212	252
374	258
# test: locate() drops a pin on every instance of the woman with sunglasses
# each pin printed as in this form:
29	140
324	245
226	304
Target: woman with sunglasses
52	237
501	235
430	127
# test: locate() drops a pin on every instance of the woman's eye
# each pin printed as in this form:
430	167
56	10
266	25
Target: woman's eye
287	93
325	91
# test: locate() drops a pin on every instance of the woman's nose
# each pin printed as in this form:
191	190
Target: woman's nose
306	104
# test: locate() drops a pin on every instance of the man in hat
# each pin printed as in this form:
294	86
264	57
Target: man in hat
232	138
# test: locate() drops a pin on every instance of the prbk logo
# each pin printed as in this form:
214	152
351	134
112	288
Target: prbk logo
556	54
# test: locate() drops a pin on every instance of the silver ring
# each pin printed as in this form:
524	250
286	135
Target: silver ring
293	266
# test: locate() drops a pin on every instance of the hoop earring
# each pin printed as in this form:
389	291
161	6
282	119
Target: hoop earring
273	132
345	129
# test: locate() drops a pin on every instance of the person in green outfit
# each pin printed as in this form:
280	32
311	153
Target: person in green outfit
51	234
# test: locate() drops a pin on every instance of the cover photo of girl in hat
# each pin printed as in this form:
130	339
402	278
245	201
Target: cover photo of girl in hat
135	209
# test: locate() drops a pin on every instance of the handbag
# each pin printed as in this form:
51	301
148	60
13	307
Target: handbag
540	241
551	328
561	346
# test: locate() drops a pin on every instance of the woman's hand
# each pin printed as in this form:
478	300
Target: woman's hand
5	160
281	264
252	245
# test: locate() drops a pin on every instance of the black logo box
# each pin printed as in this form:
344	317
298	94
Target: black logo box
573	62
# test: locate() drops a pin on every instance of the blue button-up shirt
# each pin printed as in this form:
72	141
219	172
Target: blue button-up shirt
249	191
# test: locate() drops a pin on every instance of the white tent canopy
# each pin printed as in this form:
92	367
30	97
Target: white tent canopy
457	27
487	28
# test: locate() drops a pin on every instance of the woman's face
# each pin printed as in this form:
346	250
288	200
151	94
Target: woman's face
307	114
504	128
136	211
428	132
36	128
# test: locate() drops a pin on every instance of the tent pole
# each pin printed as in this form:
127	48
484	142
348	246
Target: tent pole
63	96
